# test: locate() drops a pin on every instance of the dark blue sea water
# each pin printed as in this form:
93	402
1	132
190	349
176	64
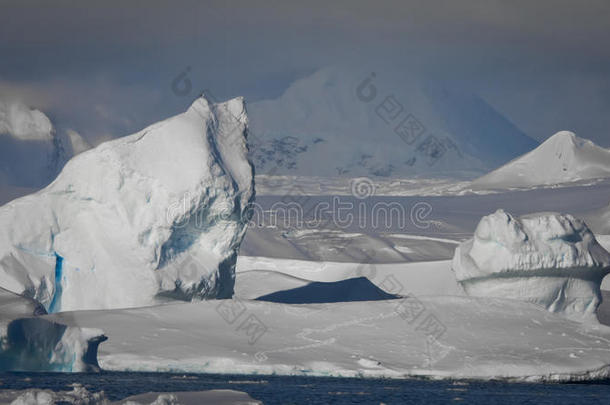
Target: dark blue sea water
320	390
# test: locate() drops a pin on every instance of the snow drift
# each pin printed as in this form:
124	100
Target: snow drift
139	220
562	158
550	259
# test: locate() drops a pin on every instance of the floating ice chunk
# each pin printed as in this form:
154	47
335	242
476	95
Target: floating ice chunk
80	395
550	259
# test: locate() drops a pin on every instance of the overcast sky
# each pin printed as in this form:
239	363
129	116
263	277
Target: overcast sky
106	68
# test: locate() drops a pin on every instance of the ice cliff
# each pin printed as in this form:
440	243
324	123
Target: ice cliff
155	216
550	259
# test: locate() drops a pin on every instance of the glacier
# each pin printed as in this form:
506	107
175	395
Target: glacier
141	220
549	259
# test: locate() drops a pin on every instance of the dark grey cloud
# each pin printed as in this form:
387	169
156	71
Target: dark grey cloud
545	63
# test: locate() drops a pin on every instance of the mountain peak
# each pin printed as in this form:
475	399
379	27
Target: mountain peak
563	157
202	105
205	103
562	136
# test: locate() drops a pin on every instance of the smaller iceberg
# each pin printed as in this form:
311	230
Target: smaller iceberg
29	342
549	259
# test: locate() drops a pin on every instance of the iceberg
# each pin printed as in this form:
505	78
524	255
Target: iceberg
155	216
549	259
28	342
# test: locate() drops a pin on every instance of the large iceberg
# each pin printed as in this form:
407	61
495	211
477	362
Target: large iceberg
154	216
550	259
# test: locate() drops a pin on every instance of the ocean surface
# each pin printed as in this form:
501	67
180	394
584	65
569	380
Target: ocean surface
319	390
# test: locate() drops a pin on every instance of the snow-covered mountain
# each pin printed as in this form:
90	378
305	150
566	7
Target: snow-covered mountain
343	122
32	151
154	216
29	149
562	158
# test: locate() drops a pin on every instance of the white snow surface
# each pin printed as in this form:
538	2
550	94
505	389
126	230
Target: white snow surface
433	336
562	158
154	216
550	259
